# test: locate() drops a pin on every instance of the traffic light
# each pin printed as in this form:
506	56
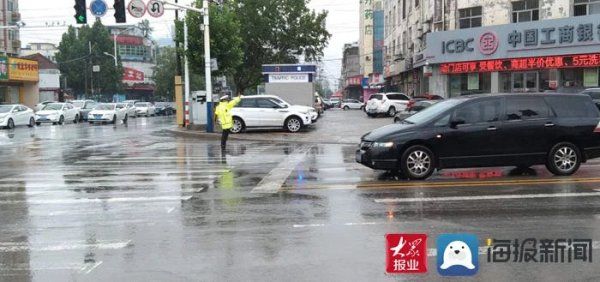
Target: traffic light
120	16
80	11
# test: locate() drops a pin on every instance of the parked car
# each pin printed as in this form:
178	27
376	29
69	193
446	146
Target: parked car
15	115
144	109
413	109
163	109
559	130
351	104
57	113
415	99
109	113
595	94
41	105
327	104
386	103
84	107
131	109
335	102
269	111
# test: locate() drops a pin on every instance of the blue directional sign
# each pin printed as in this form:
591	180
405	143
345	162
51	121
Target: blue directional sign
98	8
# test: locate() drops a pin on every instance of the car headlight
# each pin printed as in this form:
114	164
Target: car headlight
383	144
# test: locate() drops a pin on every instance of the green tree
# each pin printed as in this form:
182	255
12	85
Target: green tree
277	32
164	75
147	30
81	49
247	34
225	41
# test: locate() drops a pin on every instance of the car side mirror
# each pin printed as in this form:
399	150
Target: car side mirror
15	111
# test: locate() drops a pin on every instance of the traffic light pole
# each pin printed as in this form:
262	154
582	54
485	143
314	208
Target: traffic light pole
209	103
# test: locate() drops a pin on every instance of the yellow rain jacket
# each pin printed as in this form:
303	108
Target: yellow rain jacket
223	112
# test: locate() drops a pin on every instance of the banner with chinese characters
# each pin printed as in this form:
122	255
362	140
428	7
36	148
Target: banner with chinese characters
3	68
23	70
590	77
130	74
520	64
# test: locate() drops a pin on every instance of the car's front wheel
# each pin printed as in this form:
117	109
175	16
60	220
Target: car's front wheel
10	124
31	122
417	162
76	120
238	125
346	108
114	120
293	124
125	119
61	120
564	159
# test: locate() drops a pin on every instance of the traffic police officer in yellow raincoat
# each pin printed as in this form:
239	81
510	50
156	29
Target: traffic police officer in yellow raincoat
223	113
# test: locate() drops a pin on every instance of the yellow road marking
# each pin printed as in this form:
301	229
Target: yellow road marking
391	185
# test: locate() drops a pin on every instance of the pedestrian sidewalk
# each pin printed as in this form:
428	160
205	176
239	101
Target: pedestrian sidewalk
334	127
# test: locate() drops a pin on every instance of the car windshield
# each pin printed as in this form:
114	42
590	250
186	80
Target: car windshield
89	106
105	107
433	111
52	107
280	103
141	104
5	109
78	104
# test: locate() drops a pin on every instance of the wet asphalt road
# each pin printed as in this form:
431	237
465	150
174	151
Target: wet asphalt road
134	203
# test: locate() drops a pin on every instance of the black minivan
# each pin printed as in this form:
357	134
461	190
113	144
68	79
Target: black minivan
558	130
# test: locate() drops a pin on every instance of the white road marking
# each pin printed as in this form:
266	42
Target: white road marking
90	267
275	179
110	200
62	246
307	225
170	210
490	197
345	224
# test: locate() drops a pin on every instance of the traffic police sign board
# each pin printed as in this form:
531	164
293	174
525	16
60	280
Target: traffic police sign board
155	8
136	8
98	8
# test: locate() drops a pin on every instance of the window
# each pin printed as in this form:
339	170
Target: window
526	108
525	11
586	7
572	107
11	6
265	104
479	112
403	9
416	3
469	17
247	103
376	97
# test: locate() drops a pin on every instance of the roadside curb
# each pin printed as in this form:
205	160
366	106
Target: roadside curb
241	137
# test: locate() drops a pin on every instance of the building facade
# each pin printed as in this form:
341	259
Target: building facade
47	50
351	77
19	81
49	78
10	38
371	42
452	48
138	55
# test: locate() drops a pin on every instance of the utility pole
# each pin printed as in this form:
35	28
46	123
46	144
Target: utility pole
187	107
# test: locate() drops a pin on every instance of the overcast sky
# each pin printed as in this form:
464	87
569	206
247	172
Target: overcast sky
342	23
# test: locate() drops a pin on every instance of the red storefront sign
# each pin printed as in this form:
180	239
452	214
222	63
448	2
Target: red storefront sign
130	40
130	74
355	80
519	64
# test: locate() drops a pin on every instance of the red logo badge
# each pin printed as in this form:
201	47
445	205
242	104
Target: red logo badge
406	253
488	43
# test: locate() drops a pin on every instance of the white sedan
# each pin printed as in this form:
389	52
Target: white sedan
131	109
57	113
145	109
110	113
352	104
14	115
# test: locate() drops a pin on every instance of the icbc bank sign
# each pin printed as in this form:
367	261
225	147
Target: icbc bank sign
551	39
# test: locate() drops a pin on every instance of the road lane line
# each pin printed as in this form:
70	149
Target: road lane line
490	197
479	182
86	201
273	182
9	247
91	268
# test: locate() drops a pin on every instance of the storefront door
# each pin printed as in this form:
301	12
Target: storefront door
525	82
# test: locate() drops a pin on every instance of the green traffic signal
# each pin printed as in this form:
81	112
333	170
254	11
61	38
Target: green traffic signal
81	19
80	11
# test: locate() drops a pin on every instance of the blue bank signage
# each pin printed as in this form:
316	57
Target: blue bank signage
567	36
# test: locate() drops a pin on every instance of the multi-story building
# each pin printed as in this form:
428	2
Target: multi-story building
352	76
138	55
47	50
451	47
370	44
10	39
